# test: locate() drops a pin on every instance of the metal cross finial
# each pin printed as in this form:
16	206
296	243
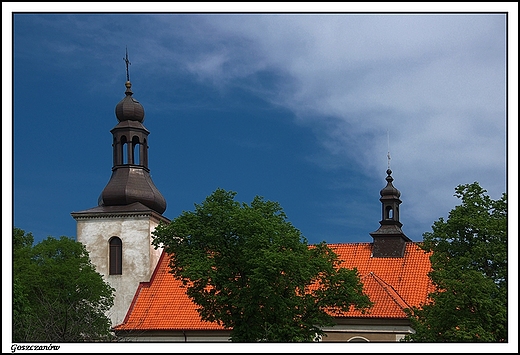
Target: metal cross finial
127	63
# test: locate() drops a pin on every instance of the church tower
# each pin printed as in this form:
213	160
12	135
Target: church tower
118	232
389	239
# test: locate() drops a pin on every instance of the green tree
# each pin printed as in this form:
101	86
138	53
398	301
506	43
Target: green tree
469	270
251	270
22	310
57	294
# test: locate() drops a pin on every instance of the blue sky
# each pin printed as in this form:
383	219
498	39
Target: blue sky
298	108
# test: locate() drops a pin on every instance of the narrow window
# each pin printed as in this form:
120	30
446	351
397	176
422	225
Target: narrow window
116	256
389	212
136	153
124	150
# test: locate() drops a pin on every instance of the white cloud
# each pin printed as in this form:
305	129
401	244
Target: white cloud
436	82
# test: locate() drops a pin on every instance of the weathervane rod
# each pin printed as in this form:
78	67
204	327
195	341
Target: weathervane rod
127	63
388	154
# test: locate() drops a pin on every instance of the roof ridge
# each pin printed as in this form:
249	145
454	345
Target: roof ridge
387	287
351	243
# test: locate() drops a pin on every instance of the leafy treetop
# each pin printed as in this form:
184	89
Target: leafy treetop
249	269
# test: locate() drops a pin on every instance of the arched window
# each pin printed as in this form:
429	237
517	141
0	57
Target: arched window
136	151
115	256
389	212
358	339
124	150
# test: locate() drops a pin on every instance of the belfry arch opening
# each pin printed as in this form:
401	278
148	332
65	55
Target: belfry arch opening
133	152
389	212
124	150
136	151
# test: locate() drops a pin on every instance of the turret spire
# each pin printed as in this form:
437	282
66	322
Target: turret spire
127	63
131	181
388	154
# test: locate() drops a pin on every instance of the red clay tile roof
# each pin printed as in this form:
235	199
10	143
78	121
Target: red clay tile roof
162	304
391	283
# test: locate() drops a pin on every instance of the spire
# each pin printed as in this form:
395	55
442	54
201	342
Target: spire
388	154
129	108
130	181
389	239
127	63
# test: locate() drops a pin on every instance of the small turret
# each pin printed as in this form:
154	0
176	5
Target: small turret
389	239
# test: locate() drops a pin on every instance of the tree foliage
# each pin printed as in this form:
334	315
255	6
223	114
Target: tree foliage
249	269
57	294
469	270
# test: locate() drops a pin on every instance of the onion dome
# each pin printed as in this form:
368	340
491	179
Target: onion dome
129	109
389	190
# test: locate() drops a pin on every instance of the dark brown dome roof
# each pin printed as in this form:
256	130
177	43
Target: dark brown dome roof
129	109
129	185
389	189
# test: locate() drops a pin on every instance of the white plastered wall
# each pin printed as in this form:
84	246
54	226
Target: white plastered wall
139	256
